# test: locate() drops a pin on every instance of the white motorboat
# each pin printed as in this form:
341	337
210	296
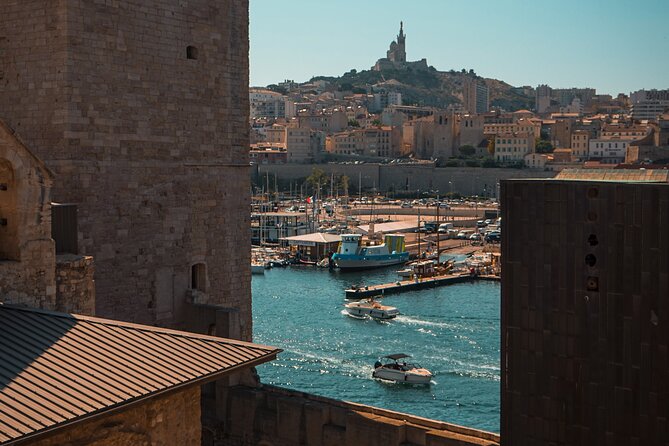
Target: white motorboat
370	307
391	368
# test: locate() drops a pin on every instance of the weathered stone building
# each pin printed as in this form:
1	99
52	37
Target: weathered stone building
141	110
27	252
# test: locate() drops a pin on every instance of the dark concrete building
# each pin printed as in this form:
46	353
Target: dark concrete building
585	310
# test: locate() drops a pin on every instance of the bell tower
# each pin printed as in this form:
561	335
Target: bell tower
400	52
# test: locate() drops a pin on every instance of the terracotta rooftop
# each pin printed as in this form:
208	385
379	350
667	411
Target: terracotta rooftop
57	369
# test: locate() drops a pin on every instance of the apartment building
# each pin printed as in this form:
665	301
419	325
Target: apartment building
513	147
580	144
375	141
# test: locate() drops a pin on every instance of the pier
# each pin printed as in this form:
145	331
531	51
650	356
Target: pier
401	286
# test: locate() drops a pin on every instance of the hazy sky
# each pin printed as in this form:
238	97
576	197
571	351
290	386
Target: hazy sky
611	45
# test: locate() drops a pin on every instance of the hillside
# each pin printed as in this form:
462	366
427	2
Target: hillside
428	88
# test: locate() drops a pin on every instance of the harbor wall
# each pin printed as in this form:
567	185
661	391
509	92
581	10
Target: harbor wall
273	416
399	177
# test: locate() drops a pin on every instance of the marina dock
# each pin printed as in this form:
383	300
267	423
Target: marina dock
413	285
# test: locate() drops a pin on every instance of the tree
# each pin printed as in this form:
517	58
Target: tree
377	123
491	146
317	178
353	123
343	181
467	150
542	146
276	88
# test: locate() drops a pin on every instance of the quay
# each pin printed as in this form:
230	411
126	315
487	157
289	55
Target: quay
401	286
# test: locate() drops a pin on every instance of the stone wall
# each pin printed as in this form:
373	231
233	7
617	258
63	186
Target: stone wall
27	252
273	416
402	177
173	419
75	291
141	110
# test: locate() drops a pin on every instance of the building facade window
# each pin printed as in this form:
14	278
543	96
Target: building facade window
199	277
191	52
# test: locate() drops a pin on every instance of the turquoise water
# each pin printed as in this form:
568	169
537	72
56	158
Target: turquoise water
453	331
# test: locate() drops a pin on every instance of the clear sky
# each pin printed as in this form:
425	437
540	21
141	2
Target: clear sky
612	45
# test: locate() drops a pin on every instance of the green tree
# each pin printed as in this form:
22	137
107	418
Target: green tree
377	123
353	123
317	178
276	88
467	150
543	146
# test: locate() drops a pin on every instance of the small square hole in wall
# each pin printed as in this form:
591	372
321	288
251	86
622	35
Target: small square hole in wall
191	52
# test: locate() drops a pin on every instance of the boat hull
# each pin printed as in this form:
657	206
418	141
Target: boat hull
420	376
361	311
351	263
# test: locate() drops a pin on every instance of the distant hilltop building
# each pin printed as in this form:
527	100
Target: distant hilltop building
396	56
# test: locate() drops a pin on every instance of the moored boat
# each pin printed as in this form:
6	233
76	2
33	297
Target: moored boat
257	268
372	308
393	368
351	255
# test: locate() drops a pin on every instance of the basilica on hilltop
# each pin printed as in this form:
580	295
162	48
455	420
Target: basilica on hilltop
396	56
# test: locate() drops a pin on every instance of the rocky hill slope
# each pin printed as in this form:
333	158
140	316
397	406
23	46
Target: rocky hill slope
429	88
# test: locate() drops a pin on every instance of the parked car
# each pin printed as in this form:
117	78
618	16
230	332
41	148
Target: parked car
406	205
493	237
481	224
475	236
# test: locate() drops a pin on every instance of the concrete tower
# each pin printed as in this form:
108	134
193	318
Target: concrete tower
141	111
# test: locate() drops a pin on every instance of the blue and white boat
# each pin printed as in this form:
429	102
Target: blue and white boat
352	255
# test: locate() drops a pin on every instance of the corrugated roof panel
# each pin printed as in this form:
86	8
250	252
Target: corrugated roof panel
56	369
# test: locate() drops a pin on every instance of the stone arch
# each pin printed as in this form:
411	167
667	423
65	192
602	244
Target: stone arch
9	215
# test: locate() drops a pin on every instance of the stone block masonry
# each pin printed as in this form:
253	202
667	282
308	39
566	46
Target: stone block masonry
274	416
173	419
141	111
75	287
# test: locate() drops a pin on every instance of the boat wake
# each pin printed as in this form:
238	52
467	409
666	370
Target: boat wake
408	320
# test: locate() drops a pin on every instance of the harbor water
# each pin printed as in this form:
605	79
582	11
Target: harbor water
452	331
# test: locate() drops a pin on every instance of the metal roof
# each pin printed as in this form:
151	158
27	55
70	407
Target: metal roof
389	227
57	369
617	175
315	237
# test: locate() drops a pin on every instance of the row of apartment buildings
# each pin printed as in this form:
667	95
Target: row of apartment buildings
318	123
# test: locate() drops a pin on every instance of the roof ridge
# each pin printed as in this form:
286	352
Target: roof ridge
135	326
